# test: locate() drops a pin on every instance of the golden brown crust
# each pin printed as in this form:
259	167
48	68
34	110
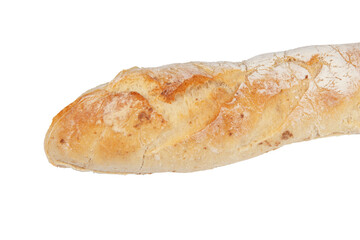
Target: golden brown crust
194	116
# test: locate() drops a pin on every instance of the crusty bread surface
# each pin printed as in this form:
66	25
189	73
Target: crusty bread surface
200	115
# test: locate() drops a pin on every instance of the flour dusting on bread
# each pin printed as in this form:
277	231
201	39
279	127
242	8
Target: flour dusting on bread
200	115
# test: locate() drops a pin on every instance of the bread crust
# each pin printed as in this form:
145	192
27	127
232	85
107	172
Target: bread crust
196	116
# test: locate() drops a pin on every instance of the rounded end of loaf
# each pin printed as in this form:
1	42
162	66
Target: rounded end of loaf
102	132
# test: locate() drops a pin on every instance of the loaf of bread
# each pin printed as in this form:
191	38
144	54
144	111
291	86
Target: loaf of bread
200	115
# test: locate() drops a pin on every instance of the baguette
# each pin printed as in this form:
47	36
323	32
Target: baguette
200	115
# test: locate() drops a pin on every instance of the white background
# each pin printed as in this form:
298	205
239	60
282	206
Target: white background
52	51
